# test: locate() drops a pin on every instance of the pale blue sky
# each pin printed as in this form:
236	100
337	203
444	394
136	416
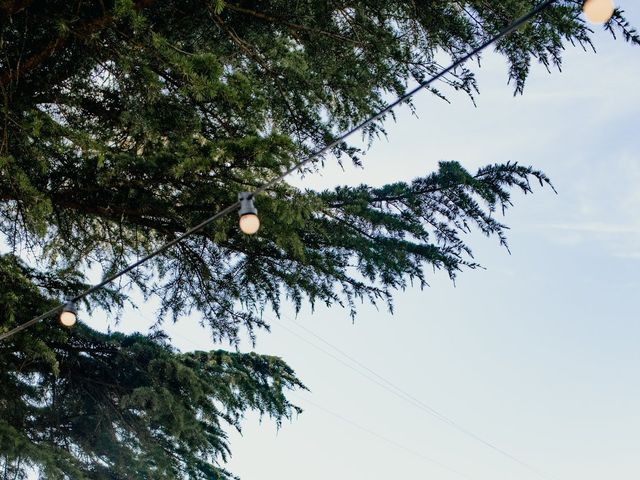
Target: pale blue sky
538	353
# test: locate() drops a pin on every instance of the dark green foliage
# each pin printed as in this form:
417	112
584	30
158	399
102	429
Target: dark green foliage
125	122
81	404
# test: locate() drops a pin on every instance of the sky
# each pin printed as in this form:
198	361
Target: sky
536	355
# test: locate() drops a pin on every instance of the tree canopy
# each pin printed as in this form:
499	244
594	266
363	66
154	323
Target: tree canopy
126	122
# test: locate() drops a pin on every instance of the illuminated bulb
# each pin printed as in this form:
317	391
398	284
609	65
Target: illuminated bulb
598	11
249	221
69	314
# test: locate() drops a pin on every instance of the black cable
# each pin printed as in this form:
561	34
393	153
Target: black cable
514	26
113	277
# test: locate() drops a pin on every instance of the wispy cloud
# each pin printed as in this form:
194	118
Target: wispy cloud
594	227
617	240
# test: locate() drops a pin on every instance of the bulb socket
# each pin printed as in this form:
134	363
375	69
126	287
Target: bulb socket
246	204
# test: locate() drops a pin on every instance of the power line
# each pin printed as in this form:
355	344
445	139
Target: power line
390	387
382	437
513	26
404	395
344	419
341	417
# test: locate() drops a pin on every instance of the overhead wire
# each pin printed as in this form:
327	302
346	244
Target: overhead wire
393	388
340	416
388	440
329	146
389	386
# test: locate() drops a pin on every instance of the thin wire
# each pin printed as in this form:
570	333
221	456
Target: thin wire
404	395
395	390
339	416
515	25
382	437
117	275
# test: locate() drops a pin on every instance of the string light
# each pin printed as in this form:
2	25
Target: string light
598	11
69	314
249	221
252	223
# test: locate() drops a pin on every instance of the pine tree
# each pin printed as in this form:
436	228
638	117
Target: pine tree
125	122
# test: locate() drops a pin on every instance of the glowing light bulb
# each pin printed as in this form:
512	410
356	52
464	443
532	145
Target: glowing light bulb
69	314
68	319
598	11
249	223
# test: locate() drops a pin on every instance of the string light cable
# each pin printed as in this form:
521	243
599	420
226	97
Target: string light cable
245	199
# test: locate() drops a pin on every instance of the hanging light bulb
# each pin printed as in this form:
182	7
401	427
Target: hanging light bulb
69	314
249	221
598	11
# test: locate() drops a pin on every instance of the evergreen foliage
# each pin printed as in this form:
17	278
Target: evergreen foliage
82	404
125	122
